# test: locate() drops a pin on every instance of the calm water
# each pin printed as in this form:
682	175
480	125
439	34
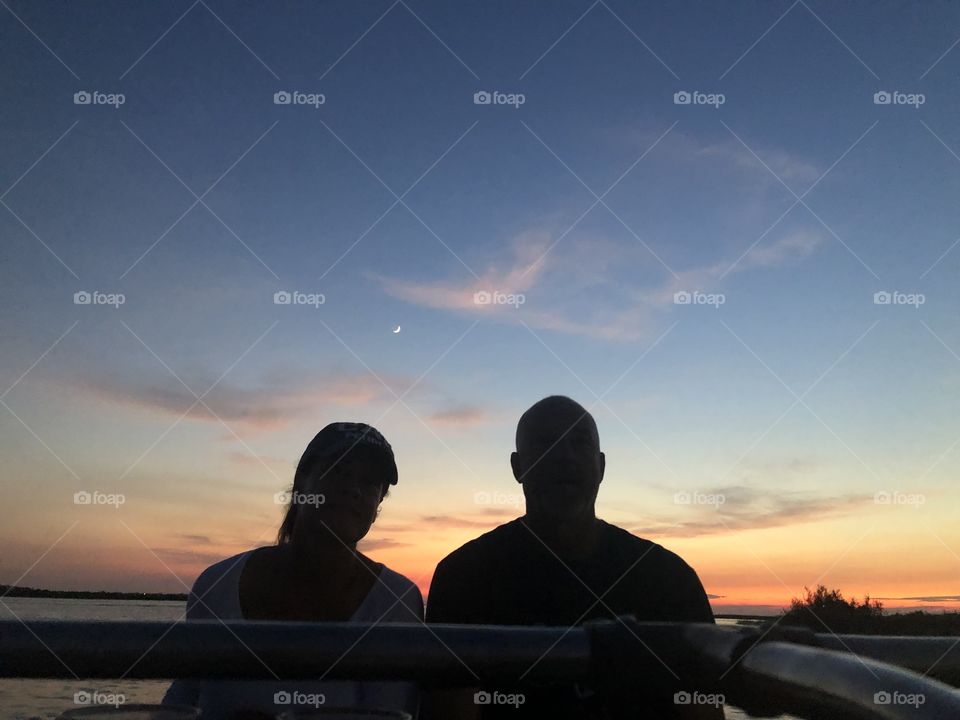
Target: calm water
22	699
46	699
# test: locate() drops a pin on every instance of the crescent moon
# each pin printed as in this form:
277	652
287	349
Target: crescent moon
396	330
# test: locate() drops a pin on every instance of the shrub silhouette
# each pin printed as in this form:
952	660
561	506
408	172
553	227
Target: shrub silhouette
824	610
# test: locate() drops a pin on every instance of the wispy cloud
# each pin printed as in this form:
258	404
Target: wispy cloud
564	291
516	276
468	416
748	508
272	404
680	147
785	165
485	519
246	458
787	250
554	280
370	545
186	555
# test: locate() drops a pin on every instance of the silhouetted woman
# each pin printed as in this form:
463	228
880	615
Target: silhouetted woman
313	573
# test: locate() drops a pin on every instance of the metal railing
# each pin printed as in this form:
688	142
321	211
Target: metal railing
764	672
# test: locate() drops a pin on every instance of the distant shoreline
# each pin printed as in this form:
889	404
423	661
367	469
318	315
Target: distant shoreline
28	592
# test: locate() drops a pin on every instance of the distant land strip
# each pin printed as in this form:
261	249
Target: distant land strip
28	592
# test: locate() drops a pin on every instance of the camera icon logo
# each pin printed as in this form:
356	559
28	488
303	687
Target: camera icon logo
82	498
482	297
81	697
282	97
681	297
282	297
881	298
682	698
882	698
882	98
82	98
82	298
281	697
481	697
682	98
482	98
283	497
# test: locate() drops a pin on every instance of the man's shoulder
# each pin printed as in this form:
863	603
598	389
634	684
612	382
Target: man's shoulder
490	544
625	543
668	586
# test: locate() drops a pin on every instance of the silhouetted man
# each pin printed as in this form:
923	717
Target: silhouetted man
550	566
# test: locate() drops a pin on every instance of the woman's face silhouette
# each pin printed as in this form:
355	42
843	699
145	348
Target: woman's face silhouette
342	496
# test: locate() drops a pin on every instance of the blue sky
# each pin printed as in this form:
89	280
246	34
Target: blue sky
398	198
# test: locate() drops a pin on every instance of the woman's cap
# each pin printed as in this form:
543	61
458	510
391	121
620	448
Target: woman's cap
339	437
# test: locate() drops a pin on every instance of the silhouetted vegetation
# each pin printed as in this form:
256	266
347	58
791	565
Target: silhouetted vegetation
824	610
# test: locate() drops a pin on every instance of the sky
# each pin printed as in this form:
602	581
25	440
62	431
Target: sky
729	231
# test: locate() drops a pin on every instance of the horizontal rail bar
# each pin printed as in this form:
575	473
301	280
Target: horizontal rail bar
939	655
266	650
755	670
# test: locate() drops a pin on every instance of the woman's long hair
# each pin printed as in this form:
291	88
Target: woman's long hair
285	534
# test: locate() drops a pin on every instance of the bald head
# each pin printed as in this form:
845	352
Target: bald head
558	459
556	410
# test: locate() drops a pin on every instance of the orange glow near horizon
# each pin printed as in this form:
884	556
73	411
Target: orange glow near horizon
762	569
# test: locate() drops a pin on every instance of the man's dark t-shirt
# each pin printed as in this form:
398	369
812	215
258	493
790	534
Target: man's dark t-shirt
509	577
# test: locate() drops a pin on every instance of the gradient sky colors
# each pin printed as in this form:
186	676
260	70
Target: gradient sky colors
812	426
